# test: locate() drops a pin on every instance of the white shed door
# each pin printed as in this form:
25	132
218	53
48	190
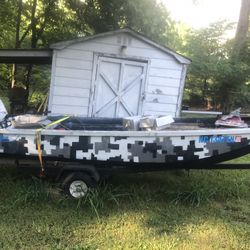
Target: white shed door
119	87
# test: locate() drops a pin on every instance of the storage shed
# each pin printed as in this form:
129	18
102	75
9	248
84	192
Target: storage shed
116	74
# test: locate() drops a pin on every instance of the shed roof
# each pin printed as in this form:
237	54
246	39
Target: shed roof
180	58
26	56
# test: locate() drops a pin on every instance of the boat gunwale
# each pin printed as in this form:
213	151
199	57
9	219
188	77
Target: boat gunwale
120	133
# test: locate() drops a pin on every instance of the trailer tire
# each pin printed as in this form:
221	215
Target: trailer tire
77	184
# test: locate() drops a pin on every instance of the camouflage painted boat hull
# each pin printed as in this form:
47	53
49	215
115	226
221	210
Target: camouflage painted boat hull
127	147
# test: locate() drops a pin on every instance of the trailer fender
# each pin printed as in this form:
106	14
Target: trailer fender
70	168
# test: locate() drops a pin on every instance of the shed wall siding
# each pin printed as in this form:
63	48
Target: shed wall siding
72	77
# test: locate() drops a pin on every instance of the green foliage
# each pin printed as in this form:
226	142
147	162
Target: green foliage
145	16
7	23
39	85
64	19
215	78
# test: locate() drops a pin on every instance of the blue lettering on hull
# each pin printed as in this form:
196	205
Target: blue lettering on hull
219	139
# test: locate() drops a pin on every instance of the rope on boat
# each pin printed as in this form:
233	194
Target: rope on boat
39	150
39	142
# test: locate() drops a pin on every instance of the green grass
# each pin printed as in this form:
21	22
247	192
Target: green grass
207	209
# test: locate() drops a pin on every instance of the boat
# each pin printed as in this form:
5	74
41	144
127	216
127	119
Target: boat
82	150
105	141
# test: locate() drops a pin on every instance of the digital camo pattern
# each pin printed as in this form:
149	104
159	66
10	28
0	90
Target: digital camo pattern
123	149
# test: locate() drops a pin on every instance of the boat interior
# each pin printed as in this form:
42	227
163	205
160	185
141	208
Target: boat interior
143	123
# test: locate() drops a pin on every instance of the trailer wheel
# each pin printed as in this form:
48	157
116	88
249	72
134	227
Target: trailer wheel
77	185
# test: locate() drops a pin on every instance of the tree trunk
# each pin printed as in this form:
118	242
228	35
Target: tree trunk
242	27
35	36
17	45
204	92
33	46
17	40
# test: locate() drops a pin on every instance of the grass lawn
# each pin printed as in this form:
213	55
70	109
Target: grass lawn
207	209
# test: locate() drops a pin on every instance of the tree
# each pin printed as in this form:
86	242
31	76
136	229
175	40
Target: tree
215	79
145	16
236	73
7	23
38	23
7	39
242	27
18	41
206	47
220	73
33	21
